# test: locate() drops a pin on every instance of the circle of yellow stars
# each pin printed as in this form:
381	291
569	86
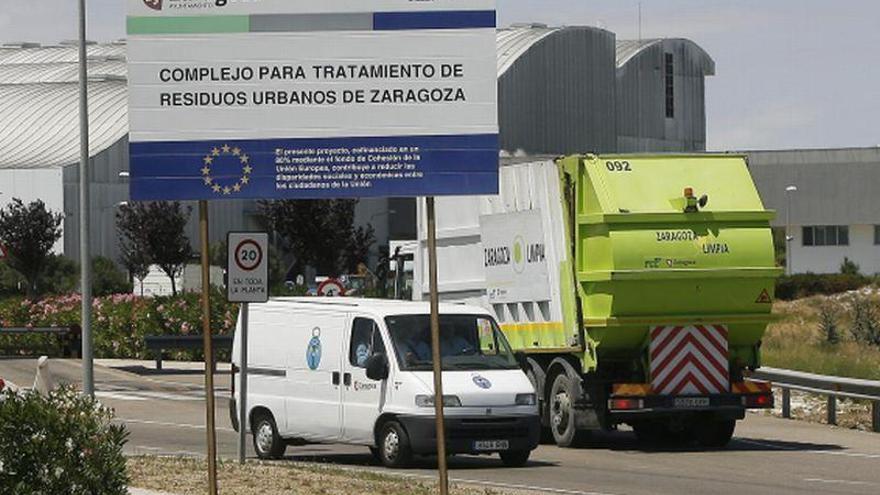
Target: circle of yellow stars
246	169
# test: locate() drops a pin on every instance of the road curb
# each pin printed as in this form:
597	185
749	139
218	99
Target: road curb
141	491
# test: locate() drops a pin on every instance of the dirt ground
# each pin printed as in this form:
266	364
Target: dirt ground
182	476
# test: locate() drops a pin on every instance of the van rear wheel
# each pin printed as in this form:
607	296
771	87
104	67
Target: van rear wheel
394	446
268	444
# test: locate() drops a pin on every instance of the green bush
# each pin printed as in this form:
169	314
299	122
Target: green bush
811	284
829	326
66	443
849	267
60	276
108	279
865	322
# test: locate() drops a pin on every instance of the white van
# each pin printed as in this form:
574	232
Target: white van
359	372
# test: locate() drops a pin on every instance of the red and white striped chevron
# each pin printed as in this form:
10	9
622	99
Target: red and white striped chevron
689	360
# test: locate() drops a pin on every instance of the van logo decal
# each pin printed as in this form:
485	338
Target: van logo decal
313	351
482	382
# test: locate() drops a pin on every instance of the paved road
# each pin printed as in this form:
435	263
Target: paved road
165	414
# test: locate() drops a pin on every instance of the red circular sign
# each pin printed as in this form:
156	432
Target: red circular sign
331	288
248	255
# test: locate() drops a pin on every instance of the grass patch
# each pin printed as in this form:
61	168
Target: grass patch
187	476
796	341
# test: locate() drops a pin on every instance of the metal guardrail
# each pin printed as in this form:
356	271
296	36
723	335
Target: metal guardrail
832	386
68	337
158	343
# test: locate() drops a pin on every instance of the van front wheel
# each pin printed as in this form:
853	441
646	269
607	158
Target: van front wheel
267	443
515	458
394	447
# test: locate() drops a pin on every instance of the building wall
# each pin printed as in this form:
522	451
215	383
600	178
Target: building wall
641	98
32	184
558	97
835	186
827	259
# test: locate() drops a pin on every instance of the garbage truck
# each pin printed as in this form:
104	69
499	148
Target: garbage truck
636	288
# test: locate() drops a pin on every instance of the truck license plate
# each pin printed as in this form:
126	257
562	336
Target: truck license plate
491	445
685	402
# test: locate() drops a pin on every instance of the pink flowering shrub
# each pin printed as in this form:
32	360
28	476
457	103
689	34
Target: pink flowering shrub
120	322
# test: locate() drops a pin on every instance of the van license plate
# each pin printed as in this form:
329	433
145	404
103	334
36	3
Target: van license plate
491	445
685	402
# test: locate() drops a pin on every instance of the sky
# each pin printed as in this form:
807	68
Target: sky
790	73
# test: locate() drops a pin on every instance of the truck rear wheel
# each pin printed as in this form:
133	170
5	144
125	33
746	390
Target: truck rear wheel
714	433
562	419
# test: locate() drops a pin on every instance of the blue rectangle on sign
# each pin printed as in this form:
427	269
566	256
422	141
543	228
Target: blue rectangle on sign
455	19
315	168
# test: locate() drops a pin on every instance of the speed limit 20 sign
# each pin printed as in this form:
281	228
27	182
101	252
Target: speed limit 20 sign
247	268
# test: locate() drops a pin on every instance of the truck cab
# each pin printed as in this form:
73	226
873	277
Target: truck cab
359	372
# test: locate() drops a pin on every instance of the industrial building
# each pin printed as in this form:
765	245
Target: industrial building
561	90
39	141
826	200
661	95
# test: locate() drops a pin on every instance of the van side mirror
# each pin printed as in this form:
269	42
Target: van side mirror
377	367
522	360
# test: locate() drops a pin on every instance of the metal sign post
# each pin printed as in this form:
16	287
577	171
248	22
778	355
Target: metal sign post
243	387
209	354
435	349
247	271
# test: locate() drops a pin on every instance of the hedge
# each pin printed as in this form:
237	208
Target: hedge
811	284
120	322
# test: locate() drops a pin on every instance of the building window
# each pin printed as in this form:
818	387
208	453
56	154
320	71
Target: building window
670	86
826	235
877	235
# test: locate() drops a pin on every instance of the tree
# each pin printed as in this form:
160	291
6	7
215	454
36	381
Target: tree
132	233
320	233
29	232
154	233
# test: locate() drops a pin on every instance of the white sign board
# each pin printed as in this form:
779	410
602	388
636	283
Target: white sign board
515	257
248	267
233	99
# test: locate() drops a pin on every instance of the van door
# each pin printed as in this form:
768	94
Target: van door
314	378
362	398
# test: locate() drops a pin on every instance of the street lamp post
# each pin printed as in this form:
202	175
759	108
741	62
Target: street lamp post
84	213
788	235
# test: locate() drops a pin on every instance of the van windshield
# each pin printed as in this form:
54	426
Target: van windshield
467	342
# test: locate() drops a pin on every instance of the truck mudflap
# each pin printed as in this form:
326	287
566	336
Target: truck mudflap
639	399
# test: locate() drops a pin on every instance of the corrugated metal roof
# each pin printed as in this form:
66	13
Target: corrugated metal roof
515	41
629	49
39	123
39	103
